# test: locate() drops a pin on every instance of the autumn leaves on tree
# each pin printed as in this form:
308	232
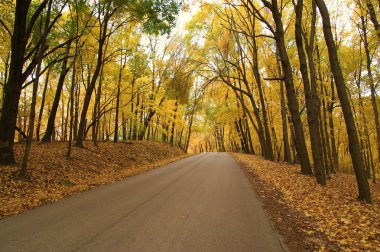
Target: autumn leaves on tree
286	57
278	79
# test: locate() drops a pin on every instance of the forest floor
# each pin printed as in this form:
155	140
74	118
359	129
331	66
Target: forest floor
51	177
311	217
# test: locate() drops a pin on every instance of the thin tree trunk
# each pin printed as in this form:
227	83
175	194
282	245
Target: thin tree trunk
57	97
285	135
256	73
334	152
96	114
32	116
173	124
135	117
42	105
72	90
91	87
116	133
372	86
124	126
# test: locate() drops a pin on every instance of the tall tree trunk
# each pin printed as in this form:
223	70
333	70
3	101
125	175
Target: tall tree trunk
96	114
334	152
249	138
57	97
12	88
354	146
368	147
39	55
189	131
135	118
173	124
371	85
42	105
124	126
300	143
72	94
91	87
256	73
32	116
324	134
116	133
312	108
372	14
76	112
242	136
285	135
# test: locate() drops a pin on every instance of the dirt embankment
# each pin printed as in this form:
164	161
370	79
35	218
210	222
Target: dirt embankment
311	217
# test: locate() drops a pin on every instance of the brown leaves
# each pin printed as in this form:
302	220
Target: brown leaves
51	177
332	210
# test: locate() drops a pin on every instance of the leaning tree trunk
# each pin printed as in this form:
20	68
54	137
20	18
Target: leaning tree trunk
57	97
353	139
372	14
299	135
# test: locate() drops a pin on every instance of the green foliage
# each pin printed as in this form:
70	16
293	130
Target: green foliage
161	15
157	16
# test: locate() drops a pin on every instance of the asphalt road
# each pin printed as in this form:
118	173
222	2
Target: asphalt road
201	203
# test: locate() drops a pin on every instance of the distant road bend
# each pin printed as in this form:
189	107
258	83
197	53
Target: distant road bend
200	203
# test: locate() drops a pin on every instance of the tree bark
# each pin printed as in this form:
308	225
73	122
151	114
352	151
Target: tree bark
293	106
173	124
12	88
354	146
116	133
91	87
285	134
371	85
57	97
312	108
42	106
372	14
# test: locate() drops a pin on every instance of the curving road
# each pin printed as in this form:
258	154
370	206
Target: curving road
201	203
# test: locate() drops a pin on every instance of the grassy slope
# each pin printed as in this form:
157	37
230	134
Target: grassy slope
52	177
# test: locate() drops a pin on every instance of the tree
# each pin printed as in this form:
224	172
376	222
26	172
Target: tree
293	105
148	10
22	32
354	147
310	89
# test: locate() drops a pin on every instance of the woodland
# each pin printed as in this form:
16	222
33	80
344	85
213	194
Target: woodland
292	81
291	84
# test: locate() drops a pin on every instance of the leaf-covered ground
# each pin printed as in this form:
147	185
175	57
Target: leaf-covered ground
52	177
312	217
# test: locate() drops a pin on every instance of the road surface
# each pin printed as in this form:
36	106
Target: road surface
201	203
